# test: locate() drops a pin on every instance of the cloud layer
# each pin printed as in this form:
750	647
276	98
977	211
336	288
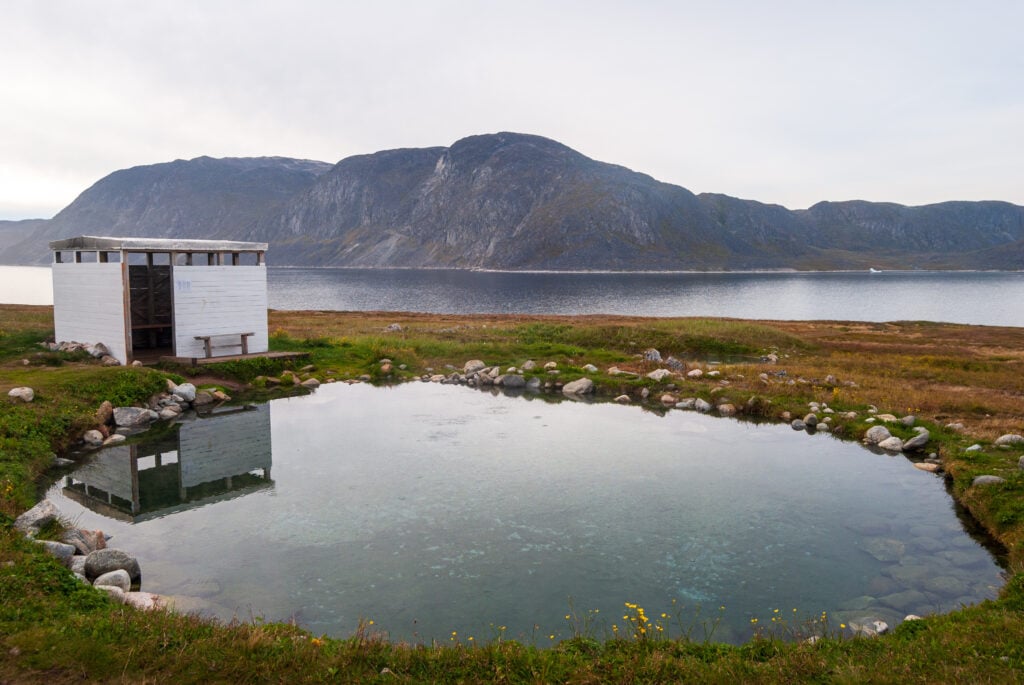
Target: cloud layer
791	102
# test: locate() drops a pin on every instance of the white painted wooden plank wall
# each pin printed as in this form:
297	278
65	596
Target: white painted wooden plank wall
217	300
211	449
88	305
109	470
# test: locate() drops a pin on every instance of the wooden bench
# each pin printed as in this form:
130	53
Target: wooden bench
209	347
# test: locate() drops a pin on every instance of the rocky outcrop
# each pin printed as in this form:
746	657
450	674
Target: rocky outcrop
513	201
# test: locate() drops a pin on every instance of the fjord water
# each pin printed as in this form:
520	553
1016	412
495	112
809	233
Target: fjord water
431	509
985	298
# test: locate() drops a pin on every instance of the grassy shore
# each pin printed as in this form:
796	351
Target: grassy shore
54	629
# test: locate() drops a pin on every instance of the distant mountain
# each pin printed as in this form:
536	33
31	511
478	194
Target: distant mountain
515	201
198	198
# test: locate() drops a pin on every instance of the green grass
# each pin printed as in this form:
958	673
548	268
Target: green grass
54	630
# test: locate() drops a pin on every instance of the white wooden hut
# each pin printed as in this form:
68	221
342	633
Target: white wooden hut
151	297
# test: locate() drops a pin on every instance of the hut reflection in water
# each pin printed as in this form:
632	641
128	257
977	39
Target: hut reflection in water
208	459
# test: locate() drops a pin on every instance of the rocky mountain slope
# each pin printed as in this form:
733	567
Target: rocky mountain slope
515	201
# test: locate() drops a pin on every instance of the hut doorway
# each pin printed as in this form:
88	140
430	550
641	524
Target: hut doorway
151	304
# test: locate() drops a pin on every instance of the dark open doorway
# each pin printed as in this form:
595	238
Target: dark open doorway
151	304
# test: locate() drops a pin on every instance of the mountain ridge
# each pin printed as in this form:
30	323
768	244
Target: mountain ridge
513	201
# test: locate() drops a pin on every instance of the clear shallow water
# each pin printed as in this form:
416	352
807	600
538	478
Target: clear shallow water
986	298
430	509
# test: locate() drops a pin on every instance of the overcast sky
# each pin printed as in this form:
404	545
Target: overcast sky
782	102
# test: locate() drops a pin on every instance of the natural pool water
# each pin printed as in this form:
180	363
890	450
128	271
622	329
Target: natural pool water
431	509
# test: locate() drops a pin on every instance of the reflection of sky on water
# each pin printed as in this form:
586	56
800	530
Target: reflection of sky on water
430	508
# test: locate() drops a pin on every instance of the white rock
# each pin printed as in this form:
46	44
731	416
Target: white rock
701	405
116	593
550	365
987	480
659	374
1009	440
23	393
473	366
114	439
118	578
876	434
590	368
581	386
622	399
694	373
892	444
146	601
93	437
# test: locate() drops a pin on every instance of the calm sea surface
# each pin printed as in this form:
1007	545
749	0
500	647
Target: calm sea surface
988	298
432	509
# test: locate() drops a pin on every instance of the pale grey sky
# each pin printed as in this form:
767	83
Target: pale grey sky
788	102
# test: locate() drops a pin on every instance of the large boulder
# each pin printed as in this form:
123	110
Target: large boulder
473	366
36	518
185	391
876	434
580	386
132	417
514	380
917	442
106	560
892	444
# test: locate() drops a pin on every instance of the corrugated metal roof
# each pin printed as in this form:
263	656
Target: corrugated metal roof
90	242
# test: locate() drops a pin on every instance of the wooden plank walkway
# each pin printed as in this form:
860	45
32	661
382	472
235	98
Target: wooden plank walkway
202	361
